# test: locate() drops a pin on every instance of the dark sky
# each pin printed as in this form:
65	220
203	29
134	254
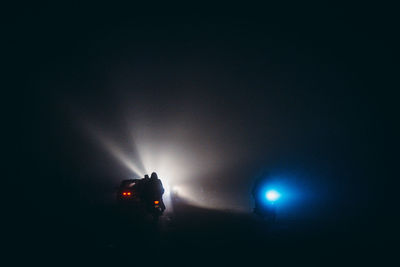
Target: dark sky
297	92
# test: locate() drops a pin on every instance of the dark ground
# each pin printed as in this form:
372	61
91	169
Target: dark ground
102	234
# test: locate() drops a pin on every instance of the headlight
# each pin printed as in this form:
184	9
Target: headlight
272	195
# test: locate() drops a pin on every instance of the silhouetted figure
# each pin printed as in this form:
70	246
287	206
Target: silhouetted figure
141	186
154	190
145	180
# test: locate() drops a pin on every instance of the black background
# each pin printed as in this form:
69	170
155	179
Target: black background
309	84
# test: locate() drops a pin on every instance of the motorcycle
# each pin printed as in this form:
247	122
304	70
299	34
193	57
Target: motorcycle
155	208
131	200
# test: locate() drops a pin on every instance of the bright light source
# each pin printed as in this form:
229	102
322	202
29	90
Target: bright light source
175	190
272	195
156	202
129	193
124	193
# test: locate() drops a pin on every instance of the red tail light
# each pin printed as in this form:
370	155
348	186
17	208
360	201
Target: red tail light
129	193
126	193
156	202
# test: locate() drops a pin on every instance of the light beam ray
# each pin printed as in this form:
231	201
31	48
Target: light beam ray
116	151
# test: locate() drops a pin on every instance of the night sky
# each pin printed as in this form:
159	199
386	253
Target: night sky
298	93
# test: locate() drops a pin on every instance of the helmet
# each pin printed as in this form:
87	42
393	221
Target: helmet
154	176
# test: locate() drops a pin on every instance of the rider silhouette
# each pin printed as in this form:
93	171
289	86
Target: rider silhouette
153	189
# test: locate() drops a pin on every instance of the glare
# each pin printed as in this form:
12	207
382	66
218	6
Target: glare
176	189
176	159
272	195
171	164
115	150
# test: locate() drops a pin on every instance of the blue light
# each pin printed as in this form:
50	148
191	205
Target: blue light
272	195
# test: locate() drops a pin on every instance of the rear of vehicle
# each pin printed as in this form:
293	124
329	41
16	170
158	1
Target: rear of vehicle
133	201
129	193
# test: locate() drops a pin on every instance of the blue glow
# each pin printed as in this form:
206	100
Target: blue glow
279	190
290	193
272	195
